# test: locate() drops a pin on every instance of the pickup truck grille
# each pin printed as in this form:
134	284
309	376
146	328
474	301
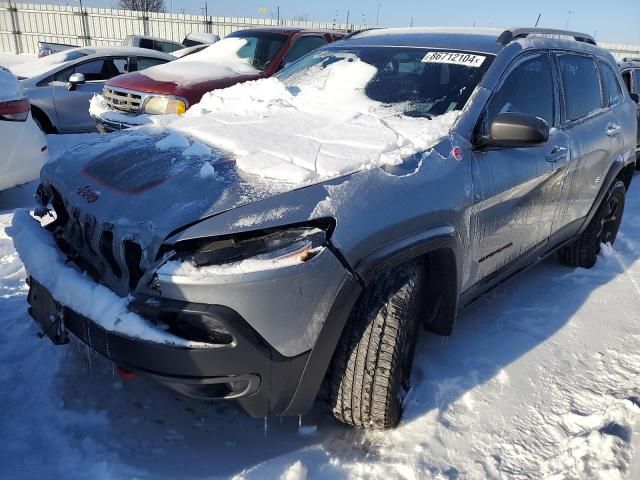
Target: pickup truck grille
122	100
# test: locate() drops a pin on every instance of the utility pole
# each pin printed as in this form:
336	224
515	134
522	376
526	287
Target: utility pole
348	21
566	26
538	20
411	25
378	15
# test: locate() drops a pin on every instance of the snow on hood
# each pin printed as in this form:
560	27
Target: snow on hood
10	88
320	126
220	60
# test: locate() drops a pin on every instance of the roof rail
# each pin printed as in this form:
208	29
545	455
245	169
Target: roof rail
631	59
512	34
353	33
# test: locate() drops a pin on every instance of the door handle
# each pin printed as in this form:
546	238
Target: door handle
558	153
613	130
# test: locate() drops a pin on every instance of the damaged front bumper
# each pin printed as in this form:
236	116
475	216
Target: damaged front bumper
246	369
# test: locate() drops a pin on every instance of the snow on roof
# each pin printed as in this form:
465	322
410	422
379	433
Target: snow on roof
10	88
319	126
216	61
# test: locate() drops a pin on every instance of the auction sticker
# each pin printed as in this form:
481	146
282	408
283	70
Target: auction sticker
455	58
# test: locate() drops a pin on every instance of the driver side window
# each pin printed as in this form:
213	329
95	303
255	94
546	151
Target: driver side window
528	89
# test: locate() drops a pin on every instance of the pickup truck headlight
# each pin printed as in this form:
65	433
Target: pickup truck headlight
294	245
165	105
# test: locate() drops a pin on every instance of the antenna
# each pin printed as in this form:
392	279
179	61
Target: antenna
538	20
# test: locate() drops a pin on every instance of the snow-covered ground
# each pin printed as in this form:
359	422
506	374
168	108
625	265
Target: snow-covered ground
541	379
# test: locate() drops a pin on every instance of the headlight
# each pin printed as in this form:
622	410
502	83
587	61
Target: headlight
296	245
164	106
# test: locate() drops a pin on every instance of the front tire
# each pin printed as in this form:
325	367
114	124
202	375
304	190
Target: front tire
373	359
603	228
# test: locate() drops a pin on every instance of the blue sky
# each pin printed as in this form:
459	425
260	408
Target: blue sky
615	21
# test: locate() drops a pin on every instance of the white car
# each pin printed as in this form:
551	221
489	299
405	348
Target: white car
23	146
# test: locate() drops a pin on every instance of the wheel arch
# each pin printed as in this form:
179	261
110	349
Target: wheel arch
619	170
437	249
43	118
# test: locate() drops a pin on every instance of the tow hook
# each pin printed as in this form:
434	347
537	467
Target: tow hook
126	374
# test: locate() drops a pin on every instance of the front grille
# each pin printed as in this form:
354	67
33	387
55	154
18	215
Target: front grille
122	100
110	257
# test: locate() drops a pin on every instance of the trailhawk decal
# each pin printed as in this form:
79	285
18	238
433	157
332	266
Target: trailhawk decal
454	58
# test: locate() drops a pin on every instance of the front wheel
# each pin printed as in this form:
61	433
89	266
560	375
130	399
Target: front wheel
372	363
603	228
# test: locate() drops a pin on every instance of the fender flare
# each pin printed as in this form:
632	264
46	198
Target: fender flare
386	257
614	171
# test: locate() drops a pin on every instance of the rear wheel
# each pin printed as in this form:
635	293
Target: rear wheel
42	121
372	363
603	228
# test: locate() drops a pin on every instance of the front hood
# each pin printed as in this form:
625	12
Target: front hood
140	83
124	180
192	90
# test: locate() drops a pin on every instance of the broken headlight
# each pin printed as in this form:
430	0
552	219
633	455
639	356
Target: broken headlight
296	245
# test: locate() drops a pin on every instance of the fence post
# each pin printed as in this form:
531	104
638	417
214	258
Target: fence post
84	23
13	13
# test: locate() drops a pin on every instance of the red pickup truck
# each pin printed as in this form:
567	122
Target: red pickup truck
129	99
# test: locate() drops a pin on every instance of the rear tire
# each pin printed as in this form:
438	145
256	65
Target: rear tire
373	359
42	121
603	228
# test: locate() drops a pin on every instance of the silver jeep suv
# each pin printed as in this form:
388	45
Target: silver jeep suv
267	289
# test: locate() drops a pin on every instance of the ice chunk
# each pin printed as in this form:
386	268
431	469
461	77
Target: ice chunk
173	140
197	149
207	171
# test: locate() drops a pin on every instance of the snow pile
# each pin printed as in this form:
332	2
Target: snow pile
75	290
319	126
220	60
10	88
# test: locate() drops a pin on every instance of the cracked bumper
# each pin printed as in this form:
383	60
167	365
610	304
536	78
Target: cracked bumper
248	369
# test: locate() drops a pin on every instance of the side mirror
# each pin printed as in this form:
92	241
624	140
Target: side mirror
75	80
517	130
635	97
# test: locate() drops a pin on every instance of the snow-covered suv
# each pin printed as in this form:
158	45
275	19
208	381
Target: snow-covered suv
301	228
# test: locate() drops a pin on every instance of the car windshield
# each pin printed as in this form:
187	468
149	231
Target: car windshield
260	48
421	82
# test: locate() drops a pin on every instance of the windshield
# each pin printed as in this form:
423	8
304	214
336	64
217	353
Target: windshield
261	48
421	82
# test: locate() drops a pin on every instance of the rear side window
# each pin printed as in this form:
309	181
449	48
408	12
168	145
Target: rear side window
528	89
612	88
303	46
170	47
146	43
581	84
145	62
626	78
